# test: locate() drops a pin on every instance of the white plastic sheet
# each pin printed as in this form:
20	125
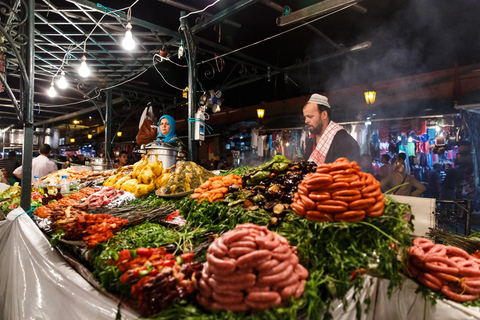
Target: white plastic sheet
36	283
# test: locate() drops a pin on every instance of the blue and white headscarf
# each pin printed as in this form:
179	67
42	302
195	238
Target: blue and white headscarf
171	136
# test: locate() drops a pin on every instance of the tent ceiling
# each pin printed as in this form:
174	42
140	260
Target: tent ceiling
408	37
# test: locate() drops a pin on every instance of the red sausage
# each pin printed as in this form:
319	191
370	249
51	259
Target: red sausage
334	203
348	192
373	194
319	196
281	249
423	243
375	214
277	269
340	166
226	288
349	215
272	279
302	189
309	204
282	256
205	289
235	235
454	251
319	216
370	188
348	198
243	244
232	298
349	178
298	209
239	251
289	291
357	184
270	245
226	264
427	282
259	254
331	209
214	249
361	204
259	289
302	272
262	305
444	269
337	186
262	296
295	278
300	289
267	265
439	250
458	297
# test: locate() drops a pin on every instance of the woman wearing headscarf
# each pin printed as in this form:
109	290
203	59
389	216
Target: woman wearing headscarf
399	177
166	133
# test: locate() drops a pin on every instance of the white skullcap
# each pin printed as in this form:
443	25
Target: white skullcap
319	99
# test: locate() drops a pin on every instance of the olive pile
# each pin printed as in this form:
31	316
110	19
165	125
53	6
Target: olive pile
275	190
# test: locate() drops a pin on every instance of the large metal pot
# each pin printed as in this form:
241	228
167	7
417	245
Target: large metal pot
52	137
38	137
16	136
165	153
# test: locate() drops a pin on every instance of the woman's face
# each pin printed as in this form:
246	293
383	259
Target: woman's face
164	127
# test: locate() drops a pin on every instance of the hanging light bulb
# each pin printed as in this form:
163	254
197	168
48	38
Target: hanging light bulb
128	42
52	92
62	82
368	122
410	139
84	71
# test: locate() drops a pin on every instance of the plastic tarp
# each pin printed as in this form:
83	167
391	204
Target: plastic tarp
37	283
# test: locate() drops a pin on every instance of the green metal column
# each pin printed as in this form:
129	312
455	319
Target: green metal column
192	84
27	106
108	128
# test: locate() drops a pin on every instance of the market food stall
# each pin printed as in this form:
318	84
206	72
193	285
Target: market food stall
261	241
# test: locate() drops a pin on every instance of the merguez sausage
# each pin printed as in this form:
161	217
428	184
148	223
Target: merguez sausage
458	297
261	296
300	289
227	265
276	277
361	204
233	298
309	204
289	291
249	258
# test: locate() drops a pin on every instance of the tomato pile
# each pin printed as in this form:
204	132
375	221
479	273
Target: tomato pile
339	192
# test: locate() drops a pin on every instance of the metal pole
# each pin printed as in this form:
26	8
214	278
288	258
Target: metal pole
192	85
468	218
27	102
108	127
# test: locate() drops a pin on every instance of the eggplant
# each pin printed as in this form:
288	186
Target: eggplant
288	182
233	188
287	198
271	204
171	248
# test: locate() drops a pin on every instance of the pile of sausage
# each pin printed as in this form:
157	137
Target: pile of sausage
338	191
250	268
446	268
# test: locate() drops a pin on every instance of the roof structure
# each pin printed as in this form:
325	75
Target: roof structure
251	50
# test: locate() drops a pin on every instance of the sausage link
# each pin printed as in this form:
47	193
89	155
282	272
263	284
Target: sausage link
373	194
270	245
277	269
259	254
423	243
349	215
319	196
227	265
348	198
232	298
458	297
287	272
331	209
428	283
357	184
262	296
300	289
319	216
309	204
295	278
268	265
298	209
334	203
454	251
235	235
444	269
205	289
302	189
243	244
289	291
239	251
302	272
340	166
262	305
346	178
337	186
214	249
361	204
259	289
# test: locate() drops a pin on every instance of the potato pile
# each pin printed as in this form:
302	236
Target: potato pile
250	268
339	192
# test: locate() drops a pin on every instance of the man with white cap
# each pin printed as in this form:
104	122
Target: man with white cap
330	140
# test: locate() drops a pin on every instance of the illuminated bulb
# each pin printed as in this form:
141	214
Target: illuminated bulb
410	139
52	92
128	43
399	138
62	82
84	71
119	133
437	128
72	140
90	136
368	122
287	144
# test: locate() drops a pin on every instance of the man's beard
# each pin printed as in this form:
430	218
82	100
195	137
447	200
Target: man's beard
316	129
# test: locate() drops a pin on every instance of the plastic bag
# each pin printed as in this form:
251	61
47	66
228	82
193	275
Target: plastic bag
37	283
146	134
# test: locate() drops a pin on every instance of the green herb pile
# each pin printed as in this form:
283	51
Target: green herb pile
334	253
240	171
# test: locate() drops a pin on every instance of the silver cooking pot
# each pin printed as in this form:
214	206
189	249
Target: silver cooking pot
164	151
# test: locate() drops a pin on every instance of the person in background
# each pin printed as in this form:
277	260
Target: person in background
449	183
10	164
229	163
403	156
399	177
330	141
122	159
366	163
386	169
222	164
41	165
434	181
